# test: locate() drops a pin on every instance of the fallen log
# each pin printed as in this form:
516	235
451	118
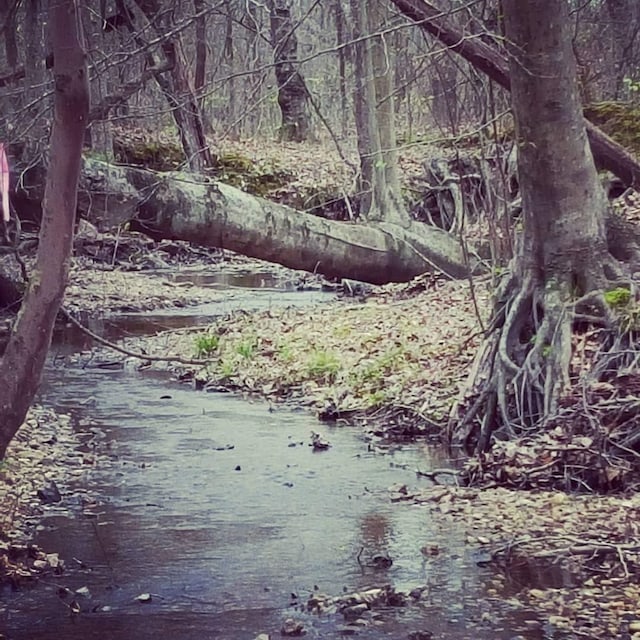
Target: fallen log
194	208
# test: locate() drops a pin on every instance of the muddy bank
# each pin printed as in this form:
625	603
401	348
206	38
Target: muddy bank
43	459
95	288
391	353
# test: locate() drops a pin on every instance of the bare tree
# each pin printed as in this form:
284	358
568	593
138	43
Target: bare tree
522	371
25	354
379	186
293	95
486	58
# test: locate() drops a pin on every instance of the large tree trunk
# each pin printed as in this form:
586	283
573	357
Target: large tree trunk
193	208
25	354
608	154
523	369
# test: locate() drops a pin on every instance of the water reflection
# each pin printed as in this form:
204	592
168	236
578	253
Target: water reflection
220	510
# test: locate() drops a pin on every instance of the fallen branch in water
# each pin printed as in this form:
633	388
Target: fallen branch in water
127	352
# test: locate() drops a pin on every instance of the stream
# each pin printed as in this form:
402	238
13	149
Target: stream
220	512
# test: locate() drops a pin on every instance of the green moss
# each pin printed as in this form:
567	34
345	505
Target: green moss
620	120
244	173
617	297
234	162
144	149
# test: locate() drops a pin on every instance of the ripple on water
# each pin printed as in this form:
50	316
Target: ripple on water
208	508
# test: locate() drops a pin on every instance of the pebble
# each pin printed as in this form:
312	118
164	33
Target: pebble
634	626
291	627
355	611
559	621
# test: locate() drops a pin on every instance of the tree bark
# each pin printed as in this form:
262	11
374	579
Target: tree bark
185	108
188	207
378	183
341	39
24	357
200	73
522	371
293	95
608	154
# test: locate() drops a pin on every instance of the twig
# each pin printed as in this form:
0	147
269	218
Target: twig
127	352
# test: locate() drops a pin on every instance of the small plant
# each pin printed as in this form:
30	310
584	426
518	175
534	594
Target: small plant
627	311
247	348
618	297
377	398
206	344
227	368
633	86
323	365
285	353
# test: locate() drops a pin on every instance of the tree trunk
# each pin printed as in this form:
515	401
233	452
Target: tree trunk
378	184
623	32
24	357
99	136
8	18
341	39
292	89
608	154
200	73
9	104
183	206
445	94
177	89
522	371
185	109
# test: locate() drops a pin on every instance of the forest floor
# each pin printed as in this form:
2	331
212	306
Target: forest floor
392	359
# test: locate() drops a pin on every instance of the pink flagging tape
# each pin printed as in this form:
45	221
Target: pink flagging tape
4	182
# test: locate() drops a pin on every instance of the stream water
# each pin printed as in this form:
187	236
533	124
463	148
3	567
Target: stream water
219	509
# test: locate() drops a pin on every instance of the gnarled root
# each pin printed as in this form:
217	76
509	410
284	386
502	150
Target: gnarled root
524	370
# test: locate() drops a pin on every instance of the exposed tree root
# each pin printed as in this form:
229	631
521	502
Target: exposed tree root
552	370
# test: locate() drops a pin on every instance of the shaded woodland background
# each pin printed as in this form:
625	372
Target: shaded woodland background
280	69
